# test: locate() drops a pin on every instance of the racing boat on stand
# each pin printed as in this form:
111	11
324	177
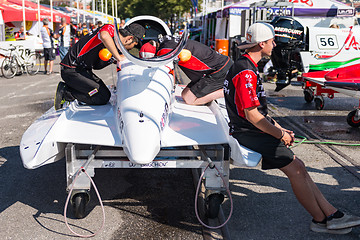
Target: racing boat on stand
146	124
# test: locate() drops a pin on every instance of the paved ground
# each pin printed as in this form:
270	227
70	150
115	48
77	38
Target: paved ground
158	204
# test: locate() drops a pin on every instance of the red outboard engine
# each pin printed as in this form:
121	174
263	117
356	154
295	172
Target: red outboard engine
289	39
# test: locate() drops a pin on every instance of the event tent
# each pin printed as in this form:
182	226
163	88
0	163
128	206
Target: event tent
302	8
12	11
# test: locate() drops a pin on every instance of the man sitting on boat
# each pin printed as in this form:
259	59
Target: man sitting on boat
205	67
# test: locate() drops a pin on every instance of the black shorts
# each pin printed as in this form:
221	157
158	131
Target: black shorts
210	82
49	54
274	153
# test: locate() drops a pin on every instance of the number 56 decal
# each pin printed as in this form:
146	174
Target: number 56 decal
327	42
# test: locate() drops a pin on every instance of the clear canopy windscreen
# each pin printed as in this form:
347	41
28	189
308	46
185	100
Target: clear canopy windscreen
154	61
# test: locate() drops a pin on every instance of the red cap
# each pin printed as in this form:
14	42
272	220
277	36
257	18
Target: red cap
147	51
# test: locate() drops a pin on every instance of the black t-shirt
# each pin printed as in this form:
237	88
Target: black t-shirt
243	89
85	53
204	60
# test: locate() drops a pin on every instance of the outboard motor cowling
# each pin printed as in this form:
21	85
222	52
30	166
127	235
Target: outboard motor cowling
289	39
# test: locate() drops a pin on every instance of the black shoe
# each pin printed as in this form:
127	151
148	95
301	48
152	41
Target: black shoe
59	96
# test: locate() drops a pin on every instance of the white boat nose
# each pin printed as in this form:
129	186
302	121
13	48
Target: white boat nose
141	141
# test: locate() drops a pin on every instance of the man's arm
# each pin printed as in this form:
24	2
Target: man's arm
53	34
259	121
278	125
17	36
110	45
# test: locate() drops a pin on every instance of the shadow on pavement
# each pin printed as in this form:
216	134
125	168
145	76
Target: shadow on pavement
165	196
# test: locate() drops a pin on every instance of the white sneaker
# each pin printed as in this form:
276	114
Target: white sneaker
321	228
344	222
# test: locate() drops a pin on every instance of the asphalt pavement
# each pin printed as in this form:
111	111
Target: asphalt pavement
158	203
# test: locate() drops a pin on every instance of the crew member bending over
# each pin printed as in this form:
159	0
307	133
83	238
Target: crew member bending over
76	67
206	69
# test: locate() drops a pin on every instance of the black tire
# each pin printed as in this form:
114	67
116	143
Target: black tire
319	103
80	201
213	205
351	119
9	67
308	95
32	64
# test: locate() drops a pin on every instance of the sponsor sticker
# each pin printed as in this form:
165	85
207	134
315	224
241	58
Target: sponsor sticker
128	164
164	116
345	12
327	41
93	92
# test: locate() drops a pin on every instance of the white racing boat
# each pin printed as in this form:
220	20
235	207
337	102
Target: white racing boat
145	125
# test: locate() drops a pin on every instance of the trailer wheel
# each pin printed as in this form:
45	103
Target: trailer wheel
319	102
213	203
80	201
308	95
351	119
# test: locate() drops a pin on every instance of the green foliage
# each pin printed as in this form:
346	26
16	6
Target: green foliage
47	2
164	9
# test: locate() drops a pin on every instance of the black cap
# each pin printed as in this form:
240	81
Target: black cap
136	30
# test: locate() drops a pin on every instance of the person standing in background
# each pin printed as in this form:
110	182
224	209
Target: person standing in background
99	24
122	23
20	35
84	30
64	34
47	36
79	30
73	31
91	27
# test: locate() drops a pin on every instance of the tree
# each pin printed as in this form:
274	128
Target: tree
47	2
164	9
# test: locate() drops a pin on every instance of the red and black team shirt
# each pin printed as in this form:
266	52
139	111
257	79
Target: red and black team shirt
204	60
243	89
85	53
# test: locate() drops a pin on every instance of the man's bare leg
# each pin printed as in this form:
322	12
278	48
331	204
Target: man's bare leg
51	65
45	65
191	99
307	192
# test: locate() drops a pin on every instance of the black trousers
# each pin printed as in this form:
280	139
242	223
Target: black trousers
85	86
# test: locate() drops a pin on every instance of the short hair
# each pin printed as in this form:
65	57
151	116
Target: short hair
46	21
334	25
99	23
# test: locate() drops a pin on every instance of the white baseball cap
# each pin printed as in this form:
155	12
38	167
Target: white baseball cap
256	33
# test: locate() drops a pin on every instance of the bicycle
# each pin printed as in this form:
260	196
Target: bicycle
20	60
